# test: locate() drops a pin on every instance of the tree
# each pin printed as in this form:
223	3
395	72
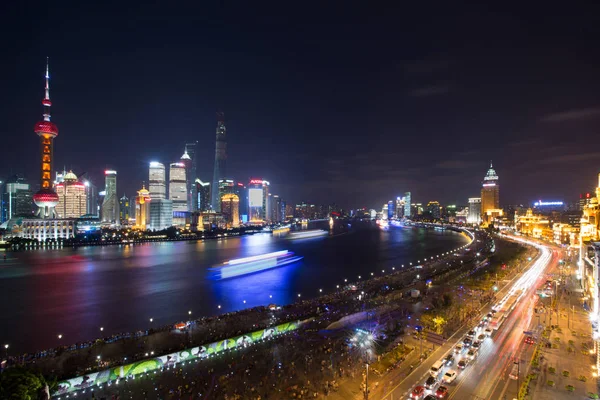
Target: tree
19	383
447	300
439	323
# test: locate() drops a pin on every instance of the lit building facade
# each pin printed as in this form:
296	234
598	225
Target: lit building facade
226	186
241	191
220	168
157	183
534	225
230	208
203	195
16	199
124	210
177	186
490	196
46	198
72	199
191	174
474	211
110	204
407	205
48	229
433	208
142	208
258	199
91	194
391	210
161	214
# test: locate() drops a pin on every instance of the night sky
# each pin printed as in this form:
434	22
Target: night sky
339	103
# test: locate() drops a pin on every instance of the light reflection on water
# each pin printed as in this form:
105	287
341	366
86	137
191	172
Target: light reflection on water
74	292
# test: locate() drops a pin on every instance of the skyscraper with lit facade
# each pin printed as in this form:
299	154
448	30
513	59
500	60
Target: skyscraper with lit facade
177	186
157	185
191	174
226	186
110	204
230	208
124	209
142	208
46	198
490	196
407	205
203	195
72	197
220	168
474	215
16	199
258	194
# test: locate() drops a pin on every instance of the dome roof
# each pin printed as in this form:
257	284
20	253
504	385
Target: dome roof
45	198
70	176
46	127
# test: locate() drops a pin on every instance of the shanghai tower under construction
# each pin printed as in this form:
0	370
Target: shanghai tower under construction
220	161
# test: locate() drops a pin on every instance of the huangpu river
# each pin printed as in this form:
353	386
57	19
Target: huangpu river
75	292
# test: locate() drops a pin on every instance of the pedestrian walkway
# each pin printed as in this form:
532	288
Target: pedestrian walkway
566	368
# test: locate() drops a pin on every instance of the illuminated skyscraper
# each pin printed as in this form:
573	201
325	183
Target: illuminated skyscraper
161	214
226	186
407	205
433	208
46	199
124	208
203	195
157	185
490	194
177	187
110	204
390	209
142	208
242	193
474	216
16	200
258	194
72	199
190	150
230	208
220	170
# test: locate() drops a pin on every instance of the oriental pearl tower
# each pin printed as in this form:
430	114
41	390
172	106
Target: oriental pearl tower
46	199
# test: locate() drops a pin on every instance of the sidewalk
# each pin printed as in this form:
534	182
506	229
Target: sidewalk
569	362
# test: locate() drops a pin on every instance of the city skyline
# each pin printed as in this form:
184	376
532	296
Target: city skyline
298	120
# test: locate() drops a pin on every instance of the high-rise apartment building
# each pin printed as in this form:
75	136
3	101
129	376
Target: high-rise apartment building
72	200
16	199
177	186
110	204
220	169
157	182
490	195
474	216
230	208
203	195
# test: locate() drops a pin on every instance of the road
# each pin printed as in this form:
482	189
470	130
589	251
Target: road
487	376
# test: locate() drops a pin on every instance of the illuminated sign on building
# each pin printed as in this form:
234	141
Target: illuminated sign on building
255	197
541	203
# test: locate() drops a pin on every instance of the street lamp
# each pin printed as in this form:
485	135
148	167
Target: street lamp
101	329
364	339
6	349
59	336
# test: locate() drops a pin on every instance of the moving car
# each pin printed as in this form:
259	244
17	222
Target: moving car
450	376
488	331
529	340
436	368
441	392
476	344
462	364
430	383
481	337
471	334
449	360
467	342
430	397
458	349
472	354
418	392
